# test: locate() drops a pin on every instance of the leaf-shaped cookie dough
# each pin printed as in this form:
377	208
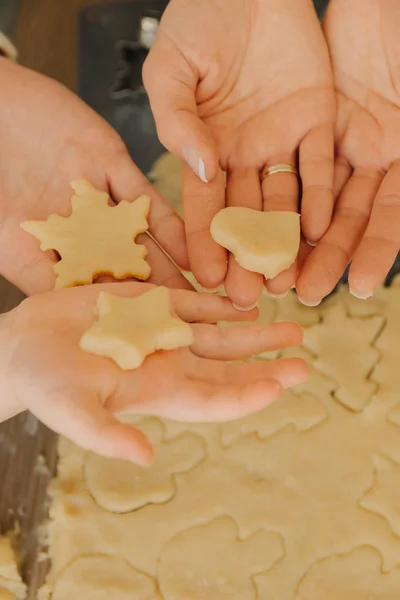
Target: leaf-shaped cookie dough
263	242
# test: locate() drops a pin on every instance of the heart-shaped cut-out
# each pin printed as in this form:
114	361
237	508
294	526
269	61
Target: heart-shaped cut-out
263	242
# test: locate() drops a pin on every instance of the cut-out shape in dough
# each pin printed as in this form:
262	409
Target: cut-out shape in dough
291	309
387	371
303	412
339	336
384	496
210	562
103	578
354	576
11	585
96	238
120	486
129	329
263	242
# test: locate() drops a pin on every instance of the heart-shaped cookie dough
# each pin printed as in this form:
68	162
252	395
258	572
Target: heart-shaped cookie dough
263	242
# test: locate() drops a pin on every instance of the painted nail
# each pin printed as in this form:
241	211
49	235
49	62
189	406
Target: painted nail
245	308
309	304
361	296
196	163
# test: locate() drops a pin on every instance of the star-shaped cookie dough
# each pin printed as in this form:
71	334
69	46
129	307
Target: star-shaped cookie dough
129	329
262	242
96	239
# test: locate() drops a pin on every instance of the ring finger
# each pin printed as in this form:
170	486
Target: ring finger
281	193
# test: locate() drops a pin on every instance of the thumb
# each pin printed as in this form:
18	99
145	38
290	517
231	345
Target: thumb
81	417
171	83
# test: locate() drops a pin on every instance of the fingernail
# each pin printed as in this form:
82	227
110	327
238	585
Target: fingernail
196	163
211	290
364	296
311	243
309	304
293	287
245	308
278	295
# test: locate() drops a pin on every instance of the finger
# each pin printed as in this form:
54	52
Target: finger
126	182
243	287
201	202
288	371
381	243
281	193
188	305
82	418
279	286
171	82
331	256
316	160
163	270
207	308
219	403
234	343
342	173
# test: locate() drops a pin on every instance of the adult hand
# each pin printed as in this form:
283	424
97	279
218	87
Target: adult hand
76	394
49	137
364	45
238	85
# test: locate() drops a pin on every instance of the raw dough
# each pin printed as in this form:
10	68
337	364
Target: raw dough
339	335
129	329
103	578
263	242
121	486
11	585
96	238
354	576
184	574
317	473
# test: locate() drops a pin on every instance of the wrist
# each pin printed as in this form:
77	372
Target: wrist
10	405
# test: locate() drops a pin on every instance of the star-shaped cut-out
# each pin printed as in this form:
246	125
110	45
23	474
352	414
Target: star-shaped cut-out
339	336
121	486
129	329
384	496
96	238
